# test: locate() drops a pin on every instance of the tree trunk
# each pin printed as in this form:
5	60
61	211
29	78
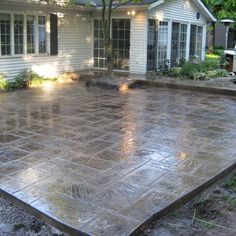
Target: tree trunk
106	28
109	55
211	38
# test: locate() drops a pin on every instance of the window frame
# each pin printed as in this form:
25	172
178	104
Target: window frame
197	50
93	37
36	31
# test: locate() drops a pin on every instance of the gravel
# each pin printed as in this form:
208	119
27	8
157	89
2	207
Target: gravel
15	221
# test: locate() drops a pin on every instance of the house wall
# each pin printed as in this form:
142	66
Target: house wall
184	11
220	38
74	43
178	10
138	39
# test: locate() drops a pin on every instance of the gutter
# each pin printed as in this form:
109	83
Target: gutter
50	6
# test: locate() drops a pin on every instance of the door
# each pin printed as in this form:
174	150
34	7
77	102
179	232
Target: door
121	43
175	44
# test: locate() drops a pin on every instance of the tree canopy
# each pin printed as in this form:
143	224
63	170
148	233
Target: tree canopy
223	9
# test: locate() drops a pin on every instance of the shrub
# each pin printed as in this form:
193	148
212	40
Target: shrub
211	63
200	76
175	72
189	69
218	73
3	82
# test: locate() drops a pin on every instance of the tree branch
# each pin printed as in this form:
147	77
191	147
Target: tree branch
121	4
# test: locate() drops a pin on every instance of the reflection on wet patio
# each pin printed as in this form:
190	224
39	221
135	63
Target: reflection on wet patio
103	161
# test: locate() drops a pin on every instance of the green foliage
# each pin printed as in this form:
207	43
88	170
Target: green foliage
230	183
22	79
211	64
38	81
218	73
25	79
175	72
211	68
213	56
190	70
3	82
200	76
223	9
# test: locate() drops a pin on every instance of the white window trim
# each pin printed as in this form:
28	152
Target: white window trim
203	40
25	54
113	17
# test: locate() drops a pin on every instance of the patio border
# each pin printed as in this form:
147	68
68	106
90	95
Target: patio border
182	86
66	228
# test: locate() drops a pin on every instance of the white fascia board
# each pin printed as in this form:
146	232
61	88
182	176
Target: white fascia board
207	12
155	4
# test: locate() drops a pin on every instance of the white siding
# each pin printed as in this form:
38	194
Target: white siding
138	45
74	43
177	10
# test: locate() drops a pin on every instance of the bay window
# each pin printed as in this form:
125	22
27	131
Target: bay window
22	34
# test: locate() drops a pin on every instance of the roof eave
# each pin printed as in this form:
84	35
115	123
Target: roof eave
155	4
208	13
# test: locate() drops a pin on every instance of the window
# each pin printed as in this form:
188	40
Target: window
178	43
22	34
19	34
42	34
183	42
121	41
162	45
152	44
196	42
5	33
30	34
98	45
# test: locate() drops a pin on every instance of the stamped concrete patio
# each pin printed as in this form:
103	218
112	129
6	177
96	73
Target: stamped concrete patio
103	162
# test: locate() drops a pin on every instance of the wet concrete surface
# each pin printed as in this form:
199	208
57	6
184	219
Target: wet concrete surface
103	161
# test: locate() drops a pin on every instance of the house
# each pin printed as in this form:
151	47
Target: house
220	38
51	38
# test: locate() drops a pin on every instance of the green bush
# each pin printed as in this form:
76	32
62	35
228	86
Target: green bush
3	82
175	72
200	76
211	63
189	69
218	73
196	70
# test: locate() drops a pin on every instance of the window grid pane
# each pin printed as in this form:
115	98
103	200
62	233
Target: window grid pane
152	43
42	34
178	43
121	40
183	42
162	45
5	33
30	34
196	42
19	34
99	50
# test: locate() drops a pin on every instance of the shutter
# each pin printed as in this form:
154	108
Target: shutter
54	34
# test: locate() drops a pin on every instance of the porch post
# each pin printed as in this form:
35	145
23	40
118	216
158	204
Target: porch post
204	42
12	33
187	56
169	41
